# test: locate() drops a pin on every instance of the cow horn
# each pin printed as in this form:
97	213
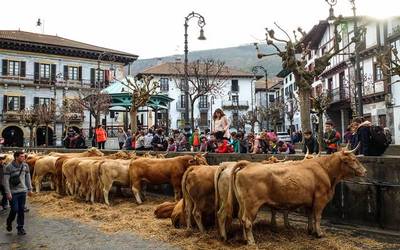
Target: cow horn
307	153
318	155
205	154
352	151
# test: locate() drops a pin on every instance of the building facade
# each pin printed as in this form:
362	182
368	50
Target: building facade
236	97
37	69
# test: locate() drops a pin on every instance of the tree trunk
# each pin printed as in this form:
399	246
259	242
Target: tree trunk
192	114
96	119
133	115
305	107
31	137
320	131
291	128
47	136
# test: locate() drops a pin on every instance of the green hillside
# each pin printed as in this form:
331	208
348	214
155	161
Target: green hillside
241	57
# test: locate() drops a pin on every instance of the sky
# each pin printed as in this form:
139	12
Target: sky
154	28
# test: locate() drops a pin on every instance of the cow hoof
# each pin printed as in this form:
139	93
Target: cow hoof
319	235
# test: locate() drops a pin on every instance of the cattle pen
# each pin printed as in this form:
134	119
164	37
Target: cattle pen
360	208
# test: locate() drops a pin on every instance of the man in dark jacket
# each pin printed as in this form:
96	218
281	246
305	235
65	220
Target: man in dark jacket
159	142
17	183
331	138
310	142
363	136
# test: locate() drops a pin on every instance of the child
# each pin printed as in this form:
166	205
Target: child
203	144
285	148
310	142
235	142
223	146
171	145
195	140
273	147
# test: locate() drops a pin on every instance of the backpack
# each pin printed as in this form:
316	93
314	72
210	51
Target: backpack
378	140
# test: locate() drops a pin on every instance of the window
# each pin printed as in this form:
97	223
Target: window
235	86
73	73
45	71
382	120
295	86
235	100
271	98
378	76
203	102
14	68
203	119
286	91
183	101
13	103
202	84
99	75
290	77
323	50
44	101
164	84
330	83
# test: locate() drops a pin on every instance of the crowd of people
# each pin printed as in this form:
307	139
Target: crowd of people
373	140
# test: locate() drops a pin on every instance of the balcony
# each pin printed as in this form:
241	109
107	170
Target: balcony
372	88
340	94
11	116
235	104
204	106
30	81
72	118
180	106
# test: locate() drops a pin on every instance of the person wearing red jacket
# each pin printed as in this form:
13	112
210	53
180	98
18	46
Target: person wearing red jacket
224	147
101	136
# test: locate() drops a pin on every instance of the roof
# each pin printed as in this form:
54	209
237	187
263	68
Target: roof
283	73
260	84
57	42
177	68
315	35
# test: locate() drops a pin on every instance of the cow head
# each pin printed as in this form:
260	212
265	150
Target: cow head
350	164
95	152
198	159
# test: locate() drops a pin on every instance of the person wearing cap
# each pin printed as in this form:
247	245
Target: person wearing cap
17	184
331	138
4	201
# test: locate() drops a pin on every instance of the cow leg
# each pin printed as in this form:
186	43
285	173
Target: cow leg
274	226
136	191
319	206
198	218
249	215
38	182
286	219
221	217
106	191
310	226
188	212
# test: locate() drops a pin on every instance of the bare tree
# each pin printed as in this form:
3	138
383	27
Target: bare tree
46	116
205	77
320	103
273	113
68	110
30	119
141	90
389	60
304	76
95	101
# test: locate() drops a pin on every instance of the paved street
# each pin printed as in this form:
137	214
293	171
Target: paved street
45	233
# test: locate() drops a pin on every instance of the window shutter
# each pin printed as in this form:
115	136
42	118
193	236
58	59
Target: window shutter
80	73
4	103
53	72
4	71
36	72
65	72
21	102
22	72
92	76
35	101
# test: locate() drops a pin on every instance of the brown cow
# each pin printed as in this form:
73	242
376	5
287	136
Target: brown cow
198	193
310	184
178	216
160	171
164	210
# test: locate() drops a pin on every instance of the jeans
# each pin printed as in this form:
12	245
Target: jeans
101	144
121	144
17	208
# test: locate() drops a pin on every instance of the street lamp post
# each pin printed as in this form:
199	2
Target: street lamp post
201	22
255	70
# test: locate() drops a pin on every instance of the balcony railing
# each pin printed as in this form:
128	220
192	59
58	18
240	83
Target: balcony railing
30	80
371	88
180	106
11	116
340	94
235	104
203	106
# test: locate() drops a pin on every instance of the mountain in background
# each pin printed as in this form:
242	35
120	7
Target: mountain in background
242	57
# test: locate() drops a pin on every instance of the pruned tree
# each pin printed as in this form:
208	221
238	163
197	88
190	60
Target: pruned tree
273	113
238	122
389	60
250	117
141	89
206	77
68	110
30	119
291	109
46	115
320	104
304	76
93	100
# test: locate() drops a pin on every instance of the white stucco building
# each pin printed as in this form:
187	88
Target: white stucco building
236	96
38	68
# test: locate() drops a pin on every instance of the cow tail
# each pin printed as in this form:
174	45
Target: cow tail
232	187
185	193
217	174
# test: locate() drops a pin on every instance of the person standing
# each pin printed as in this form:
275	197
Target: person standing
101	136
4	201
121	137
148	138
221	125
158	141
331	138
17	183
194	140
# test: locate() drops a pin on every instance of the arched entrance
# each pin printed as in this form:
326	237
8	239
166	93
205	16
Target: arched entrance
13	136
41	136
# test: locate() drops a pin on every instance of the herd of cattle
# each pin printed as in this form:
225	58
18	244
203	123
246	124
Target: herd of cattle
204	194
